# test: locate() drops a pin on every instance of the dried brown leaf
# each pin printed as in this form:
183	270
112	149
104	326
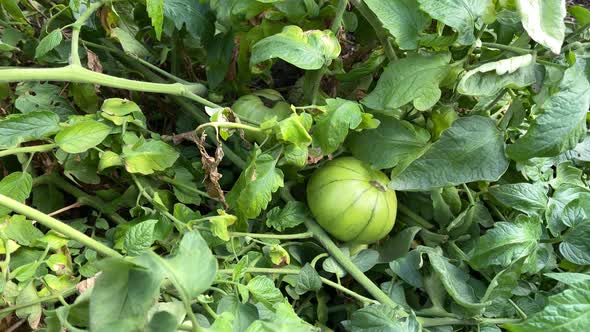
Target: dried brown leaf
210	164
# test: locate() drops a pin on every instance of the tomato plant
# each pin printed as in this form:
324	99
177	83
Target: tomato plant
294	165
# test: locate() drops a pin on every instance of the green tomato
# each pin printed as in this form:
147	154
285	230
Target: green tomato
351	201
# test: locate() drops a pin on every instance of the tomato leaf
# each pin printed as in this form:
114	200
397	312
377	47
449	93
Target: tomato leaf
253	190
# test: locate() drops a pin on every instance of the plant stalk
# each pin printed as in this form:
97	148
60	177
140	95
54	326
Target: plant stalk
415	217
508	48
57	226
49	298
28	149
379	31
316	76
297	271
79	74
81	197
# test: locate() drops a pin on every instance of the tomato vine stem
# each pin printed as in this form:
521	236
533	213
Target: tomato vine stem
379	31
28	149
328	282
57	226
342	259
49	298
81	197
229	125
314	77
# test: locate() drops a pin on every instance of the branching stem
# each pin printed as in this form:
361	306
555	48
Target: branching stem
57	226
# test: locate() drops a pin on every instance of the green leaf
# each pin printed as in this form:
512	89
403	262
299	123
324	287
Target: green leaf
220	223
140	237
291	215
146	157
182	193
278	255
119	106
11	6
575	246
525	197
32	313
35	97
376	318
85	97
309	50
398	245
162	321
244	313
82	169
19	128
219	56
264	291
507	242
580	13
390	144
403	19
294	129
490	78
563	121
461	15
504	283
16	185
129	43
455	281
109	159
332	127
471	150
49	42
407	268
21	230
82	135
569	278
253	190
544	21
194	15
565	312
189	278
412	79
284	318
562	196
308	280
122	296
155	9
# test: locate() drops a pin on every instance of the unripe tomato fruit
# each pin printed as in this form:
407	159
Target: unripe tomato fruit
351	201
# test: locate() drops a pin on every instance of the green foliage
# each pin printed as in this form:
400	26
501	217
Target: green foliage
155	155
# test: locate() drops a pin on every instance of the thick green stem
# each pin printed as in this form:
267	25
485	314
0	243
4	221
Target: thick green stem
347	264
57	226
315	77
81	197
78	74
508	48
379	31
50	298
431	322
185	187
200	116
342	259
229	125
415	217
136	58
28	149
305	235
337	22
296	271
77	27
